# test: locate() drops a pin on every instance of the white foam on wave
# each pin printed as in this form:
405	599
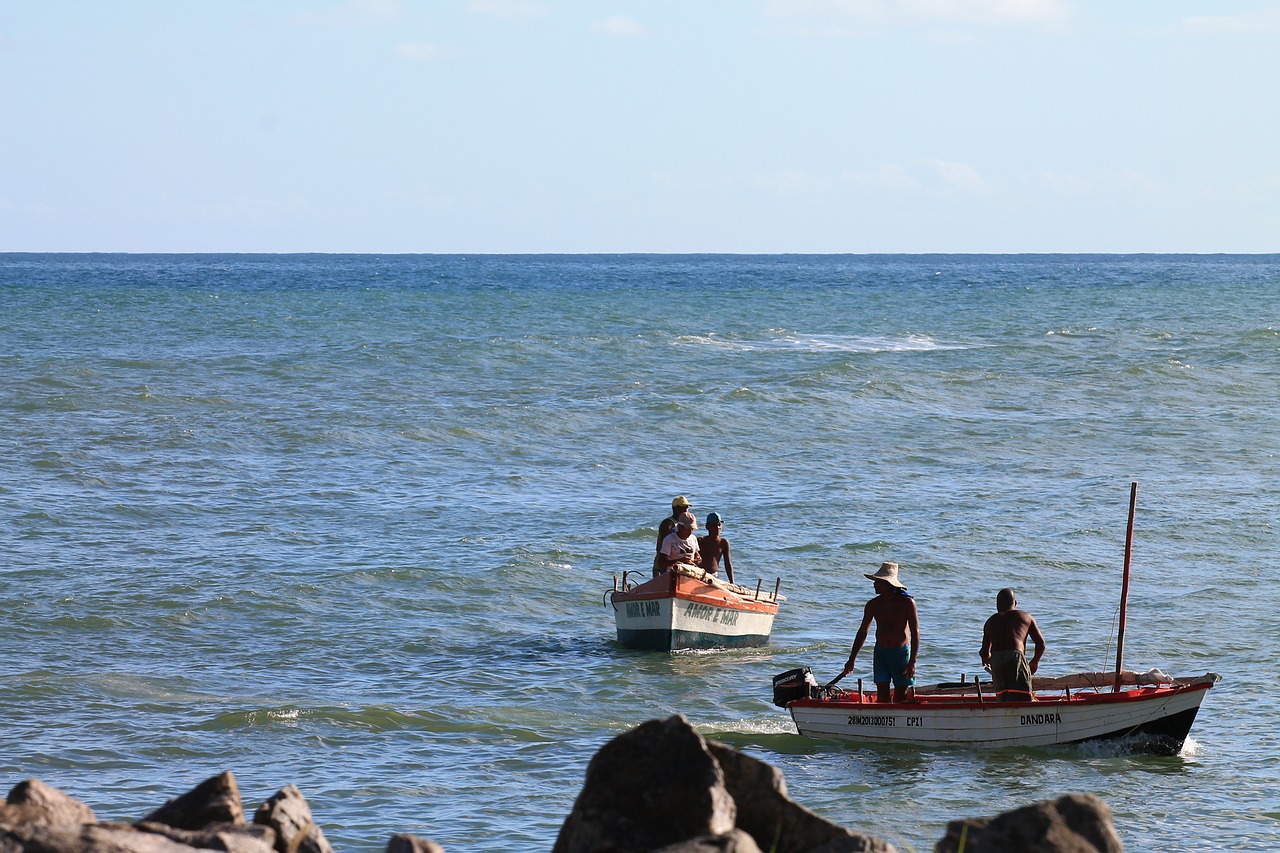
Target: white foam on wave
773	724
1127	746
827	343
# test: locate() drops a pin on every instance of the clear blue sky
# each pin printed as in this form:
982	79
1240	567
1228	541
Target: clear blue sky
645	126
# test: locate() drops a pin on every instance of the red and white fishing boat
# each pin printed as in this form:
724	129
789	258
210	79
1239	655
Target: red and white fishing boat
687	608
1151	711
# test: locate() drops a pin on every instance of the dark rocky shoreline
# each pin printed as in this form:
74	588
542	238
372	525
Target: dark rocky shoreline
659	787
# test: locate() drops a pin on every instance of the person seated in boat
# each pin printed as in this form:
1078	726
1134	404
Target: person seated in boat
897	644
1004	649
681	546
668	524
713	546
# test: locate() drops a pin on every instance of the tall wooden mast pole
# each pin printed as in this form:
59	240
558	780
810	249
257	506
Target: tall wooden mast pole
1124	588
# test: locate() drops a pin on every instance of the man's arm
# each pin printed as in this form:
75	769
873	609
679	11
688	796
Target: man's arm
1036	637
913	627
664	527
984	653
728	564
860	639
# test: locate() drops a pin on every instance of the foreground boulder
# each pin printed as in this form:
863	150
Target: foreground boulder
659	788
289	816
1076	823
662	787
33	803
123	838
213	801
233	838
38	819
773	819
651	787
103	838
406	843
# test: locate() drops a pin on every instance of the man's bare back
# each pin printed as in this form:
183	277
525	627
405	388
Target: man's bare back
1008	630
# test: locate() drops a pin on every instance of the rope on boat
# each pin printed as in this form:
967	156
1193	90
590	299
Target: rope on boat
691	571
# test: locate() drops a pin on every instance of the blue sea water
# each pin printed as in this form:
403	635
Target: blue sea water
349	521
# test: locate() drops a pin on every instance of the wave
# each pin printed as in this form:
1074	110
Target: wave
828	343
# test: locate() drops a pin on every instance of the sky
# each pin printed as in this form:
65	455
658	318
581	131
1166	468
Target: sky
595	126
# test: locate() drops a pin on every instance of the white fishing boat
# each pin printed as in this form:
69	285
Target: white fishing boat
687	608
1151	711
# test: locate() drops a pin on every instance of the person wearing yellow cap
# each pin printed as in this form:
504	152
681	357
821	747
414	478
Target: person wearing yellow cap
679	506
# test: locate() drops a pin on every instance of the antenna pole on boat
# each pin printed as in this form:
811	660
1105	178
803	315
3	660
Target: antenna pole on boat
1124	587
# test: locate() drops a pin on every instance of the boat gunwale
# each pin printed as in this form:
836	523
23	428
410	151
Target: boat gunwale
1083	697
703	593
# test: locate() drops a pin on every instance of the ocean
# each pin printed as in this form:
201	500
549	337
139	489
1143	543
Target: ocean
349	522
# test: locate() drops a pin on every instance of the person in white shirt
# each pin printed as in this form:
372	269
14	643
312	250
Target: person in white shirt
665	529
681	546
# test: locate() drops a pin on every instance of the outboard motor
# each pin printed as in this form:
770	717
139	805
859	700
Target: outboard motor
792	685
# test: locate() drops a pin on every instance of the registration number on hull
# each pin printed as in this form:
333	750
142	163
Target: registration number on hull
891	721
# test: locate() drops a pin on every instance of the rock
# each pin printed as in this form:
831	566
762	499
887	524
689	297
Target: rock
1076	823
662	787
289	815
215	800
735	841
231	837
87	838
776	822
406	843
659	788
32	802
654	786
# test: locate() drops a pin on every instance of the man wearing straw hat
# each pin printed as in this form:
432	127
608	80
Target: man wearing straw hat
897	635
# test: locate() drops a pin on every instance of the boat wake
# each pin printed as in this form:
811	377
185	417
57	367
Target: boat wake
1130	745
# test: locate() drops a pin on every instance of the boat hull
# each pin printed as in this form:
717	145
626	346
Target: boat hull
676	611
1158	719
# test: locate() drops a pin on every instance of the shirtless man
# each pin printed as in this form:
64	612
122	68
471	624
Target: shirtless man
713	546
897	635
1004	649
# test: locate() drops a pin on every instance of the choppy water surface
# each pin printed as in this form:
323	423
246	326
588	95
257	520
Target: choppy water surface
348	522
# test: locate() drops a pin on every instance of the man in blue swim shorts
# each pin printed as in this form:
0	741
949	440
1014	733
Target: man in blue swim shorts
891	665
897	635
